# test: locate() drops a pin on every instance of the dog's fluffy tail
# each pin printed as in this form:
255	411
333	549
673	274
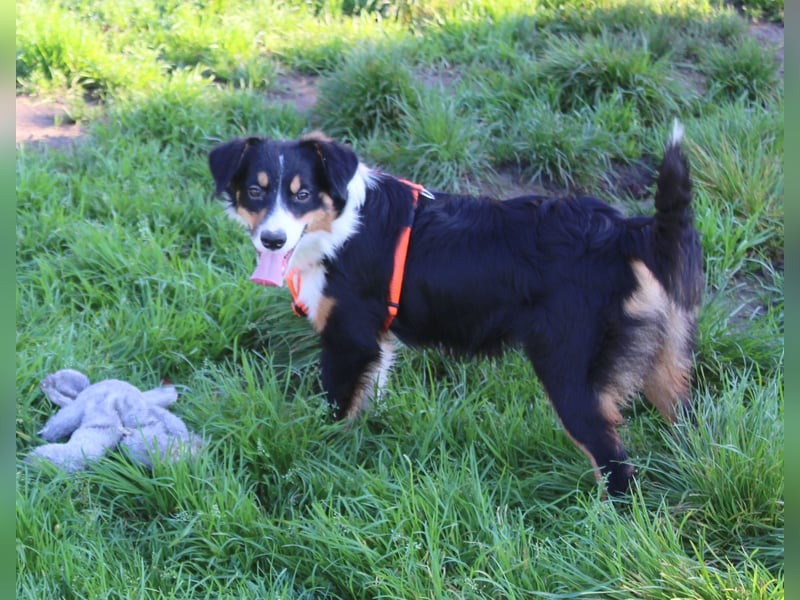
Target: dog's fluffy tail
676	246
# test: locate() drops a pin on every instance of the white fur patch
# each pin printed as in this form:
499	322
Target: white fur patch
388	345
230	209
311	288
677	133
375	378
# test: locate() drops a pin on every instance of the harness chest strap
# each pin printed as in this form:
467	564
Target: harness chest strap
293	282
293	279
401	254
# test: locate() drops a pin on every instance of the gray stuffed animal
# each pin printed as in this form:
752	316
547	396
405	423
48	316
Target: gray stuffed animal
107	415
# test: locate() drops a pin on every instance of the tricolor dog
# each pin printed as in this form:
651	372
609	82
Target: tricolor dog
604	306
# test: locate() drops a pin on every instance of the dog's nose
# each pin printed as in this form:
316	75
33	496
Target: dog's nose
273	240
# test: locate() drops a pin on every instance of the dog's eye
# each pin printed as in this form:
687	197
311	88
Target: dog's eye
255	192
302	196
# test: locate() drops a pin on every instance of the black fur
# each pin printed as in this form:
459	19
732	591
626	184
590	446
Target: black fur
570	280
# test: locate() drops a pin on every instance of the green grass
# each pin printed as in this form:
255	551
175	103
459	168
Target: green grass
461	483
746	71
367	93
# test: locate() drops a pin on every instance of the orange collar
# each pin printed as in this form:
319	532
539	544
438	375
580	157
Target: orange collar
293	280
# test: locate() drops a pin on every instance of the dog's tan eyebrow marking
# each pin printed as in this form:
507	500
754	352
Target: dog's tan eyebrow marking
263	179
294	186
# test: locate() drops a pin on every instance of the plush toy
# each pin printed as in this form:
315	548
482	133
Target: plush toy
108	415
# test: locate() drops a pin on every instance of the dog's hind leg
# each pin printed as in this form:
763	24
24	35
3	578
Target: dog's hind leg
590	418
592	425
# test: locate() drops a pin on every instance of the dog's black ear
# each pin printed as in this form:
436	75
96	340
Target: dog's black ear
338	161
224	160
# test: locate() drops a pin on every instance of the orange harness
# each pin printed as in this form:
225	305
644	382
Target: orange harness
293	279
293	283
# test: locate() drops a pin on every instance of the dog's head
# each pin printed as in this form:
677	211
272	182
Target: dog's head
299	199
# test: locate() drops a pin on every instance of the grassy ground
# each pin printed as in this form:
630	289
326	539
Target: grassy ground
461	484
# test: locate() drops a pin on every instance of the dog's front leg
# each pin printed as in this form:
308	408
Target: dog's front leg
348	374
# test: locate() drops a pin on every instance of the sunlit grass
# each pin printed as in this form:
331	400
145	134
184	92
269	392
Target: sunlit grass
461	481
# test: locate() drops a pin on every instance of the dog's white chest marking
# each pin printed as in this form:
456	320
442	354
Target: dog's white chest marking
311	288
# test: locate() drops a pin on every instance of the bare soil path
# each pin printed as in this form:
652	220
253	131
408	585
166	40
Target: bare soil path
44	122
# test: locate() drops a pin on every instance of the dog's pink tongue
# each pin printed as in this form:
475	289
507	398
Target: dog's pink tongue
269	270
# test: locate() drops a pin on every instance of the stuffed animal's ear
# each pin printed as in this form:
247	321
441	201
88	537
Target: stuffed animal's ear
339	162
225	159
62	387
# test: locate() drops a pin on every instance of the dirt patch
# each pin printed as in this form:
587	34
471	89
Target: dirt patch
508	182
44	122
298	90
770	34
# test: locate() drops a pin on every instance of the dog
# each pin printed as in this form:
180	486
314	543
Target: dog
604	306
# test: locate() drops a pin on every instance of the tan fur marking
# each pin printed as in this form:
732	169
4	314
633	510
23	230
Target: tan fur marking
263	179
652	350
324	308
327	203
252	219
597	473
668	383
316	136
609	407
362	392
650	298
294	186
318	220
